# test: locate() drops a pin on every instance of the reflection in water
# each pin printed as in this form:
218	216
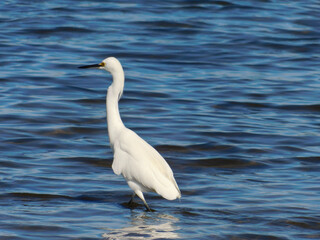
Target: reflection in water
146	226
227	91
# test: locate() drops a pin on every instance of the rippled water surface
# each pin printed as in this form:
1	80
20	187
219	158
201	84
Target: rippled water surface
227	91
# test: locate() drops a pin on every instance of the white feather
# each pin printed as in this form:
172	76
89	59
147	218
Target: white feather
139	163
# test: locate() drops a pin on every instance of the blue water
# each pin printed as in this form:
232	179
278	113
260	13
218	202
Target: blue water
227	91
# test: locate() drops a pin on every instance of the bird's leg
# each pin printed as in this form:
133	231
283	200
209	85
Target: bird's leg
147	207
131	200
140	195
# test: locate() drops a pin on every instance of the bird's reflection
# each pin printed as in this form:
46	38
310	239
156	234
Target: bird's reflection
146	226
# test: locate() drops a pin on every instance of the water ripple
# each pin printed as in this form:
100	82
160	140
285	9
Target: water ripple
227	91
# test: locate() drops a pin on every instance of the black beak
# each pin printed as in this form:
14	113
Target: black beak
92	66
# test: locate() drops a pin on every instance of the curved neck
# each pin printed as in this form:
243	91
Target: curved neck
115	124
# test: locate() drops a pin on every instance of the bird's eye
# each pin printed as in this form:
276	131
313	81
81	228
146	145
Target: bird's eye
102	64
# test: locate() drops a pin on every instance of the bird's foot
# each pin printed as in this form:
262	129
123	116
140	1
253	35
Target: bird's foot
148	209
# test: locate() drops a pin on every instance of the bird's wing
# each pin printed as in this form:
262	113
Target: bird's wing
136	160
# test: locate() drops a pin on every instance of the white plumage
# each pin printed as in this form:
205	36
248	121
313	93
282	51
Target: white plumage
144	169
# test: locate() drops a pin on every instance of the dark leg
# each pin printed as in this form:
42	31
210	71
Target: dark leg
140	195
131	200
147	207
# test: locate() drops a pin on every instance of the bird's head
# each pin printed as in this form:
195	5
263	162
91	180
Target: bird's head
110	64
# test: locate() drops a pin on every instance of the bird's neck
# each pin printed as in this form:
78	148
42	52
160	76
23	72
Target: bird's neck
115	124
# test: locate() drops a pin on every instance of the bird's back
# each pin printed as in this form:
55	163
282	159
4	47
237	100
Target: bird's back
138	161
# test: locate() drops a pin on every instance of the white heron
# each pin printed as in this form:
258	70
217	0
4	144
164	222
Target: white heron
144	169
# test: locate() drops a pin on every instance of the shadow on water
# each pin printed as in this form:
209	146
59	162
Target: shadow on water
146	225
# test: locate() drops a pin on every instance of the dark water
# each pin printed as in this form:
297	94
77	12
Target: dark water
227	91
